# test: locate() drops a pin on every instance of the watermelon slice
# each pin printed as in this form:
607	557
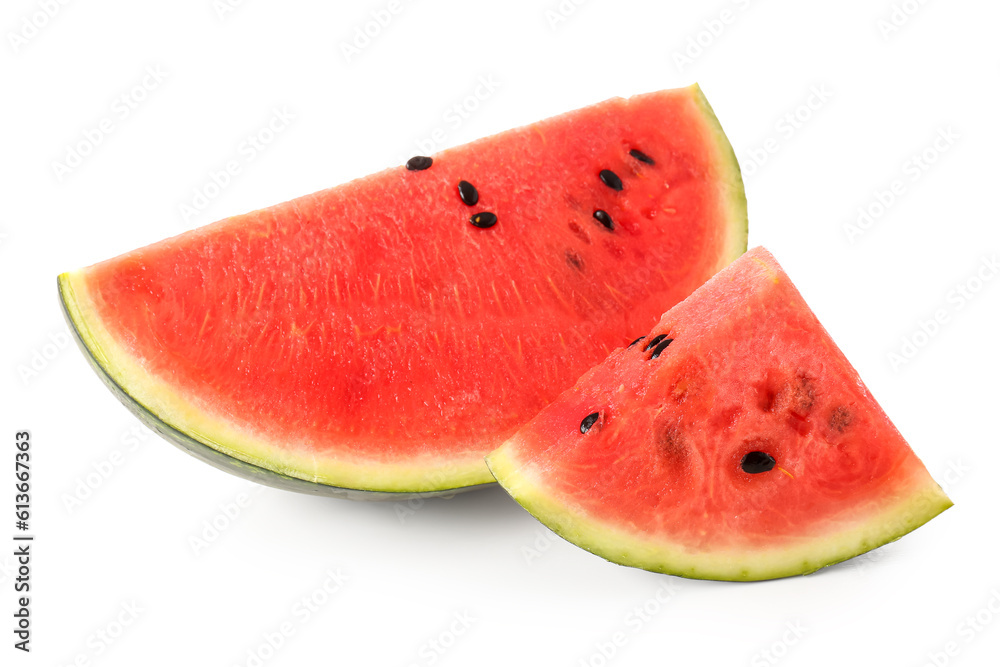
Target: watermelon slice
733	442
386	334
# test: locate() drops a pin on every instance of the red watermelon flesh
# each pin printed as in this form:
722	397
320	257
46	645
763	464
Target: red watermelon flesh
674	470
371	337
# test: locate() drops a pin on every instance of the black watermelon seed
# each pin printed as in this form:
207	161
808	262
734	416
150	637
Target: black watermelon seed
484	220
419	163
654	342
605	219
589	421
660	348
611	179
640	156
757	462
467	191
632	344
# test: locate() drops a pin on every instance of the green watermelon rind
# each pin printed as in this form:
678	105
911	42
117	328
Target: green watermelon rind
617	545
99	361
739	232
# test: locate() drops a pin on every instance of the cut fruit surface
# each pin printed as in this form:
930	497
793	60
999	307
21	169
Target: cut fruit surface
384	335
734	441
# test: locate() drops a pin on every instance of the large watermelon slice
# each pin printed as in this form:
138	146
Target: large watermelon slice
735	442
386	334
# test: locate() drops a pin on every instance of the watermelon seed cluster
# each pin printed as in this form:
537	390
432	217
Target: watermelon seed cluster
613	181
658	343
469	195
467	192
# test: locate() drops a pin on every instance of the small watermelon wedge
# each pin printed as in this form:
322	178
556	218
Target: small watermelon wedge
734	441
379	338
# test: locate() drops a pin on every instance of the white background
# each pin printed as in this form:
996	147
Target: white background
527	597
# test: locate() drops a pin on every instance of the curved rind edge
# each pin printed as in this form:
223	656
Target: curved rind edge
618	546
737	198
98	361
